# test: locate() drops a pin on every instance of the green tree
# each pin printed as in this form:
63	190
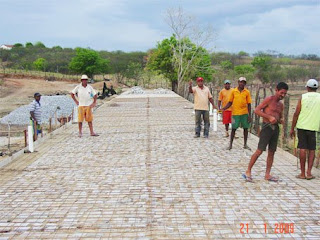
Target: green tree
192	62
263	65
16	45
40	64
39	45
242	54
161	59
29	44
244	69
191	40
57	48
88	62
226	65
277	74
134	71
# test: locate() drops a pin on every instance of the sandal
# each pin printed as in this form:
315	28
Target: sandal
273	179
247	147
310	177
247	178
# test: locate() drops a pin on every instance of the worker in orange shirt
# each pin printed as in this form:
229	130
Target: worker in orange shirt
223	100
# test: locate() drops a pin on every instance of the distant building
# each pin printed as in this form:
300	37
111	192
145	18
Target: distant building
6	47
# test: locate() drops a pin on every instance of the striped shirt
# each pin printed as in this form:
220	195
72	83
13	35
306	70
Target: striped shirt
35	107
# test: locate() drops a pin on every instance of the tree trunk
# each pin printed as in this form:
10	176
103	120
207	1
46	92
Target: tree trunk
174	86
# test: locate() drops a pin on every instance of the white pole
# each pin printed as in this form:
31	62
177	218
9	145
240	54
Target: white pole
30	139
219	116
215	120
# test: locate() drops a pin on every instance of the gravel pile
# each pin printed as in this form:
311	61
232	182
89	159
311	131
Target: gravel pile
137	90
49	104
162	91
140	90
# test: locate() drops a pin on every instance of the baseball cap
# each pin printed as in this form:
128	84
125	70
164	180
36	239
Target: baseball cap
227	81
199	79
242	79
312	83
37	94
83	77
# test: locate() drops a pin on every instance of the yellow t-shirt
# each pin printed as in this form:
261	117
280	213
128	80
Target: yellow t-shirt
240	101
201	98
224	96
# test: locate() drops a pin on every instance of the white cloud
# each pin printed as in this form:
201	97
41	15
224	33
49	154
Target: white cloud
288	30
289	26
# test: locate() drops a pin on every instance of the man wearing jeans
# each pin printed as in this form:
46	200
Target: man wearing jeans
202	96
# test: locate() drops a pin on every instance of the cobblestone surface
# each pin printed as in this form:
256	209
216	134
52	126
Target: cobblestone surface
146	177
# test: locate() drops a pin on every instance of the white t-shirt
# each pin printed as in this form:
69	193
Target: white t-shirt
85	94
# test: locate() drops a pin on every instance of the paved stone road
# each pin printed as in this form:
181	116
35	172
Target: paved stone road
146	177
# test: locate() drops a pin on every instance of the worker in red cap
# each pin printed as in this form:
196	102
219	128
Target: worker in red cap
202	97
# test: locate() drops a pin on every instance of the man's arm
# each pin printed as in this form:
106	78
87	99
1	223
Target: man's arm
226	106
211	101
94	101
249	112
74	98
219	104
33	116
259	111
281	121
295	118
32	109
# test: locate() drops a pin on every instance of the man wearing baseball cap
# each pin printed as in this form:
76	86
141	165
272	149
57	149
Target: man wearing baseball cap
307	120
202	97
87	98
223	98
240	99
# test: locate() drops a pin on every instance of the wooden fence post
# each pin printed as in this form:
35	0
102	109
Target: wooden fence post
286	120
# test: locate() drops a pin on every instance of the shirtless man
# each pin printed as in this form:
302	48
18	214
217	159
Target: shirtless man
271	110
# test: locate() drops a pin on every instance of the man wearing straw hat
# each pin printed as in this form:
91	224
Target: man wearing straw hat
87	98
307	120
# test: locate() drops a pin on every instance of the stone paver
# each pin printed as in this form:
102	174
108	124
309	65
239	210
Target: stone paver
146	177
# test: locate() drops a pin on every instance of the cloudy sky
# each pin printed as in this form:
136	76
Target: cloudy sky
286	26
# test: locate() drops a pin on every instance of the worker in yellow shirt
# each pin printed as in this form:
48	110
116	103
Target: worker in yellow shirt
240	100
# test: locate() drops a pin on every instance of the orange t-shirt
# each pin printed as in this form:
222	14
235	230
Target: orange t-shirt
240	101
224	96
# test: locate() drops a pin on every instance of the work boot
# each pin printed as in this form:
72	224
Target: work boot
227	134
